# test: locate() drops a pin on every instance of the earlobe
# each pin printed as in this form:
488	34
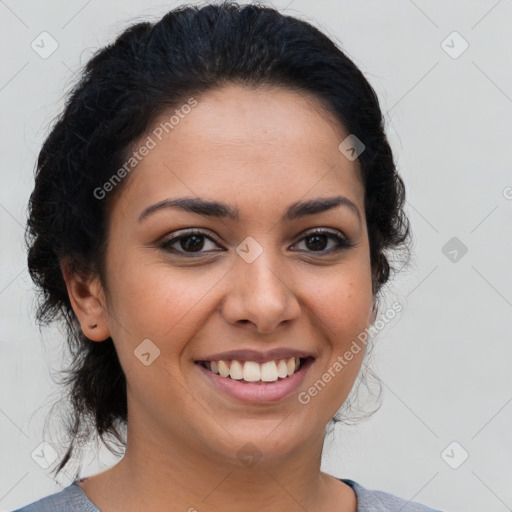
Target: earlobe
88	302
373	313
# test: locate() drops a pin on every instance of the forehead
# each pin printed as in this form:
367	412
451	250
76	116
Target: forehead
264	144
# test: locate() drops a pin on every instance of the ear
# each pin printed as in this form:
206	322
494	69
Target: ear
88	302
373	312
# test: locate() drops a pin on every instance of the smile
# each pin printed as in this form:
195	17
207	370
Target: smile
251	371
256	383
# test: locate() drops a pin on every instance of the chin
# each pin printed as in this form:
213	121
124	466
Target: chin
250	441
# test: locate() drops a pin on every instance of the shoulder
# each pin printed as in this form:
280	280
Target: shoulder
73	499
69	499
369	500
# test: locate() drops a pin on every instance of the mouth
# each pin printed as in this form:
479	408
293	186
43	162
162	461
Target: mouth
251	382
252	371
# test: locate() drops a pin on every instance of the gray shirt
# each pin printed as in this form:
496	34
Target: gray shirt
73	499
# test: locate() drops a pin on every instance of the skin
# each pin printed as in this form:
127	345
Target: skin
258	149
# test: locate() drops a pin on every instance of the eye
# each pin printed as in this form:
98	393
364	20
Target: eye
194	242
190	243
318	240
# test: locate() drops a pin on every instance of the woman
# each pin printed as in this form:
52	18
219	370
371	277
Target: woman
210	215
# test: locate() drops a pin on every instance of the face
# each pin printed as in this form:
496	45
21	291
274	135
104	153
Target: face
275	279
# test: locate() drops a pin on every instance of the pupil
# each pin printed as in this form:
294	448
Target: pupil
196	245
315	245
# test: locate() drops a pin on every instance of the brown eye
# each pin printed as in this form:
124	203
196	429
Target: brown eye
192	242
318	241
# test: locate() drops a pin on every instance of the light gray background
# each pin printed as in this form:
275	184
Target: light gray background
445	362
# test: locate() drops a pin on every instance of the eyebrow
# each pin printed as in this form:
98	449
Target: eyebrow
222	210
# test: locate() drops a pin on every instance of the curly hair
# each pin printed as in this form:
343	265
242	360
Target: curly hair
124	87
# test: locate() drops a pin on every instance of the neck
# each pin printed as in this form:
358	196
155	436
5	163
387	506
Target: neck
157	473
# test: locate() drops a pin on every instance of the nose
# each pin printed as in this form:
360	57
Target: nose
260	293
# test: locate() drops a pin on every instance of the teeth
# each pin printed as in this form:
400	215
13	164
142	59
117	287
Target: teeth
269	371
236	371
282	370
250	371
291	365
223	369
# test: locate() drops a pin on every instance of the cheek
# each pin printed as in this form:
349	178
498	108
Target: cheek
342	310
342	303
160	302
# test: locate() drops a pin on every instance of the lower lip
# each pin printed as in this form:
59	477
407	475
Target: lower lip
258	393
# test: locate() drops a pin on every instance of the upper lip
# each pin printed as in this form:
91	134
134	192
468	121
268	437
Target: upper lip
257	356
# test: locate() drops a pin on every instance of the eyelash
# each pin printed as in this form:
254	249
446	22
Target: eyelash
343	243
